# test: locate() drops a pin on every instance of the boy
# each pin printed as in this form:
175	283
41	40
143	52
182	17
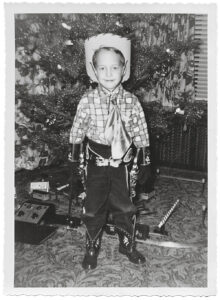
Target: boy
112	119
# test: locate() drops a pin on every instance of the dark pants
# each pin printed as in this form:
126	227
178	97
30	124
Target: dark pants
107	192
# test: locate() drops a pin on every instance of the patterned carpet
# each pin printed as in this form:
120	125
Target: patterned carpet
57	261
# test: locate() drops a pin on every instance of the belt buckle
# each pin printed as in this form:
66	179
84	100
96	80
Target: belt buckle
115	163
104	162
101	162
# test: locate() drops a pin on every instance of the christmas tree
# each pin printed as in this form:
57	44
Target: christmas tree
51	76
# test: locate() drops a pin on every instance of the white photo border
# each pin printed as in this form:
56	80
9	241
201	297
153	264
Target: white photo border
15	8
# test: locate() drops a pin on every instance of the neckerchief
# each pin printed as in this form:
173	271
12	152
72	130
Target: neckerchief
115	132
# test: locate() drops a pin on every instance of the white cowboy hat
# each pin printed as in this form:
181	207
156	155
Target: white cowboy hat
107	40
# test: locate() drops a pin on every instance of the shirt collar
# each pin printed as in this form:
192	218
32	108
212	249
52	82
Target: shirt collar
118	92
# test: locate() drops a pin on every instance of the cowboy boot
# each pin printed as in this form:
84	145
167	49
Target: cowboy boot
127	247
92	251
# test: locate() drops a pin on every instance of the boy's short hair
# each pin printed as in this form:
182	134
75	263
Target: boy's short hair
111	49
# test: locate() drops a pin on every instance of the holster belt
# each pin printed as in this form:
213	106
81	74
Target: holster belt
100	155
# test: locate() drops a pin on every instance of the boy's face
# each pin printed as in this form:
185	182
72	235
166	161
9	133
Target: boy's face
109	69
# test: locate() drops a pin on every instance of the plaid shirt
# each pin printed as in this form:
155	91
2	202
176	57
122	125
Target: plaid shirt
93	111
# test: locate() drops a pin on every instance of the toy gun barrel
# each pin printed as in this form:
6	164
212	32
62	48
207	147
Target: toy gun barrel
82	170
133	175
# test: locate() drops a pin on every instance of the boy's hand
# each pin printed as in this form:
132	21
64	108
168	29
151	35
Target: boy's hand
144	174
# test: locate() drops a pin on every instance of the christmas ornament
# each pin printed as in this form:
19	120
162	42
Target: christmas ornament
118	24
69	43
179	111
66	26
